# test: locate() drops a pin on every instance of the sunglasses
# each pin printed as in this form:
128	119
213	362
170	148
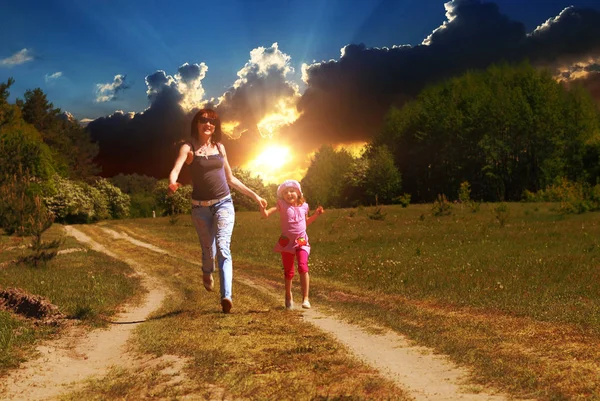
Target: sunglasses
206	120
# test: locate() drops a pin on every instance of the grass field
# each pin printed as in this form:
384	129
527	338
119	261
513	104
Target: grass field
540	264
516	303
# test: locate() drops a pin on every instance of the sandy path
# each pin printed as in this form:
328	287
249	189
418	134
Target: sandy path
416	369
64	363
425	376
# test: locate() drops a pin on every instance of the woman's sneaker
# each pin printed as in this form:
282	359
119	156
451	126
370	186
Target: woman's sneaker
226	304
306	304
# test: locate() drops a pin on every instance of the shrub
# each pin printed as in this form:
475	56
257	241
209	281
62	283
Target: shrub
118	202
177	203
142	205
501	212
17	205
39	221
377	214
464	192
403	200
73	202
441	206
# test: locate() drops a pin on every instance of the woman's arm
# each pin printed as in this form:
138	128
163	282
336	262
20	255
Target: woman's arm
237	184
184	150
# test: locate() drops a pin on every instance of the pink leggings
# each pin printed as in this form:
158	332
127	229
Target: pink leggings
288	263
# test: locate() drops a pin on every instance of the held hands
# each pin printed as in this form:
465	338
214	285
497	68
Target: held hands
262	203
319	211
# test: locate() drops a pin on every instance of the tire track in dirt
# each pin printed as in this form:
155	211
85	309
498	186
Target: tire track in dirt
66	362
427	377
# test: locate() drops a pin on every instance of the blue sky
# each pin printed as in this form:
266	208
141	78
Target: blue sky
86	43
124	65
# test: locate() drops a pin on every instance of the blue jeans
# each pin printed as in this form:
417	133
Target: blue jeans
214	226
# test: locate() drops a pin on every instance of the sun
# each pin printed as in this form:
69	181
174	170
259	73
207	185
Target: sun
270	162
273	157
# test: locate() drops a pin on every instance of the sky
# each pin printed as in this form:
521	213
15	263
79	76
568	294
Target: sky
285	76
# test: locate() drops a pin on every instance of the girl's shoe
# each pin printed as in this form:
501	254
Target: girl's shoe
306	304
289	304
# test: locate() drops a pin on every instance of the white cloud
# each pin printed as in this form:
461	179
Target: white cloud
53	77
551	21
20	57
108	92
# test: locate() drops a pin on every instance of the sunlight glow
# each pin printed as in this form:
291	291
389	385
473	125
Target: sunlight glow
231	129
285	114
355	149
270	162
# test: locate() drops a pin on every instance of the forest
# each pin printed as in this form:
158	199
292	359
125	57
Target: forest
508	133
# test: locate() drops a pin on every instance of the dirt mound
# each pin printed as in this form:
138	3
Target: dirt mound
31	306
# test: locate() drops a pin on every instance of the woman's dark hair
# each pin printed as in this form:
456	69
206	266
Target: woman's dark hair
210	113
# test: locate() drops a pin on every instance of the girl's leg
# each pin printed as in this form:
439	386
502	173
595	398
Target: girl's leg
288	273
302	256
304	284
224	222
289	299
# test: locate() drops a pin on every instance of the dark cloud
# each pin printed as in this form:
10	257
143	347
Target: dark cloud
162	88
346	99
142	143
566	38
147	142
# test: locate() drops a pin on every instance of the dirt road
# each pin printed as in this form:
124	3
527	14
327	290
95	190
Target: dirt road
65	363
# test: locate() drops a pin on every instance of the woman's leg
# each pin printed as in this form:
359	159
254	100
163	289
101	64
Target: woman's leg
202	218
224	222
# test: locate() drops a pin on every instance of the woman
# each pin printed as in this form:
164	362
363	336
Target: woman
212	207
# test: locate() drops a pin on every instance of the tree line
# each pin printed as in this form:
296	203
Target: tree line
509	132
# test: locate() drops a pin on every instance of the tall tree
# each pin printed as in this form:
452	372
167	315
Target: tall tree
323	183
70	143
383	180
504	130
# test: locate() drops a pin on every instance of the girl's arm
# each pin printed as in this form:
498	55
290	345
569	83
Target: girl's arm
184	150
267	212
319	211
237	184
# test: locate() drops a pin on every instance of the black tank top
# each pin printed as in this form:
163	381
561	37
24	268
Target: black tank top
208	177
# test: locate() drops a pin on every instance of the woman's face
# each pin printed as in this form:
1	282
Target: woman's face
206	125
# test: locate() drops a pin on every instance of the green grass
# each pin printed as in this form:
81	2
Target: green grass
88	286
16	336
260	351
538	265
517	303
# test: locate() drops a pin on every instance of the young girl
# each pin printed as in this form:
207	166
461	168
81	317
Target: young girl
293	243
